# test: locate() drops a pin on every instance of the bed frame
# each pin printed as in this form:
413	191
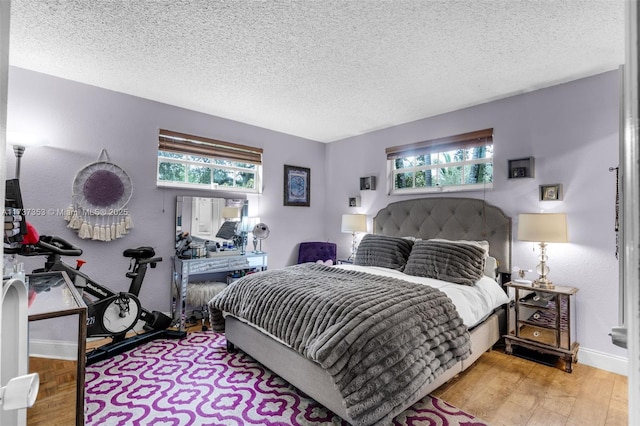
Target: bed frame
436	217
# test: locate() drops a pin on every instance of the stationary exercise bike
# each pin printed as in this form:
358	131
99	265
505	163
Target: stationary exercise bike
109	314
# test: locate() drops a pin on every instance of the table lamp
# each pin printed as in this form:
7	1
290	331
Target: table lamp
354	223
231	213
543	228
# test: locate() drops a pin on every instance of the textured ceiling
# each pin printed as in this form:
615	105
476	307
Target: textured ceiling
325	69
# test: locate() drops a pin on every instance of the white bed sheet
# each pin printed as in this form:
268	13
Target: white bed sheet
473	303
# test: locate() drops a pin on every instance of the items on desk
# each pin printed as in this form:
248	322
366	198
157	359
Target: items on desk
183	243
186	248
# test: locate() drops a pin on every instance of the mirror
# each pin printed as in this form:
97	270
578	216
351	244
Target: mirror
202	217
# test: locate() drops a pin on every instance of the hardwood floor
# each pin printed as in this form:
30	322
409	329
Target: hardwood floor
500	389
56	402
506	390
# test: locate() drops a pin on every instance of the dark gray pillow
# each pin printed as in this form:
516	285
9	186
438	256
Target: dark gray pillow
447	261
228	230
383	251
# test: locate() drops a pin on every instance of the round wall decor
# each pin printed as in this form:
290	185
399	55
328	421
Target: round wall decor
101	192
102	186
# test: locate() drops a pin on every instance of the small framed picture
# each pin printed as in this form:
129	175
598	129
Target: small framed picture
297	186
354	202
551	192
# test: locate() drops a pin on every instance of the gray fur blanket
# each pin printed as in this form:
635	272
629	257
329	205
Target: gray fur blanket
381	339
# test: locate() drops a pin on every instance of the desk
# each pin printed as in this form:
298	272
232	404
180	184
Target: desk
184	269
56	296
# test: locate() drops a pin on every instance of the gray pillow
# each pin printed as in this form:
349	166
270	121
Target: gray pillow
228	230
447	261
383	251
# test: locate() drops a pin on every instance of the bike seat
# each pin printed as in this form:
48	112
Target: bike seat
140	252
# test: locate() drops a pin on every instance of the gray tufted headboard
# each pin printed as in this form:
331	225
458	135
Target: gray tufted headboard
450	218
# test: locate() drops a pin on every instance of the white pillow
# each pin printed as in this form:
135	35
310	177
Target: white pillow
491	267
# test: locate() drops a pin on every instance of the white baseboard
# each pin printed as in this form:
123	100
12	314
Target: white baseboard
57	349
69	351
613	363
53	349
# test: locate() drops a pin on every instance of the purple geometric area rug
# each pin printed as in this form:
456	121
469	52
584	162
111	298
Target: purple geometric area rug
194	381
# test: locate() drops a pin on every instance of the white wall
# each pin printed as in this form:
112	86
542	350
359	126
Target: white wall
572	131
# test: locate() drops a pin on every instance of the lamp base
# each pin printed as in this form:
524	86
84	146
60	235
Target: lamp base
543	283
354	246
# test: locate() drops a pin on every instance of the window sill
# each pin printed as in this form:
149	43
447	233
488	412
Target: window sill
211	188
442	189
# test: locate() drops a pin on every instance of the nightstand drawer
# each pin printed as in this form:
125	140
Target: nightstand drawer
538	300
538	334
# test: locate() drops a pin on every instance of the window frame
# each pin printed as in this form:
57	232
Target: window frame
211	149
438	146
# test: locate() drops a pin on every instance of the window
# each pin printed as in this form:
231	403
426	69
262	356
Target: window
195	162
455	163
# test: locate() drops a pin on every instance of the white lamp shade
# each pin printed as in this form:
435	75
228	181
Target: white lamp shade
543	227
354	223
230	212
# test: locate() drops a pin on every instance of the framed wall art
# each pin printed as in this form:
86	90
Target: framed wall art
297	186
551	192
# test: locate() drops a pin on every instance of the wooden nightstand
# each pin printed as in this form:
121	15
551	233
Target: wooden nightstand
543	320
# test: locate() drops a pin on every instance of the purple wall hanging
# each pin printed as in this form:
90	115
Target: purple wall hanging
101	192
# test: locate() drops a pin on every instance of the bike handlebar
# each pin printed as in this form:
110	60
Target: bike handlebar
47	245
58	245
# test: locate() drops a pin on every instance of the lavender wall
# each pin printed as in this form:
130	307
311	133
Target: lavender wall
572	131
80	120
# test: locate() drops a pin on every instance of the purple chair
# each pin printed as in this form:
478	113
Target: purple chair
314	251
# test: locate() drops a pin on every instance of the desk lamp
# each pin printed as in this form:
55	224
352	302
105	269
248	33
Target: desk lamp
231	213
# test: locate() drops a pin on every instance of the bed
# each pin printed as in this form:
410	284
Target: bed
424	223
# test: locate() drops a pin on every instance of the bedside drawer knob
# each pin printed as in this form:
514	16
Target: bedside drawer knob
536	298
536	316
536	334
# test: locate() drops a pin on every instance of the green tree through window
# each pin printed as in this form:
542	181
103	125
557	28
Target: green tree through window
192	161
455	163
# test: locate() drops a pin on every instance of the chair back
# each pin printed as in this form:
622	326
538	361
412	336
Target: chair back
317	250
